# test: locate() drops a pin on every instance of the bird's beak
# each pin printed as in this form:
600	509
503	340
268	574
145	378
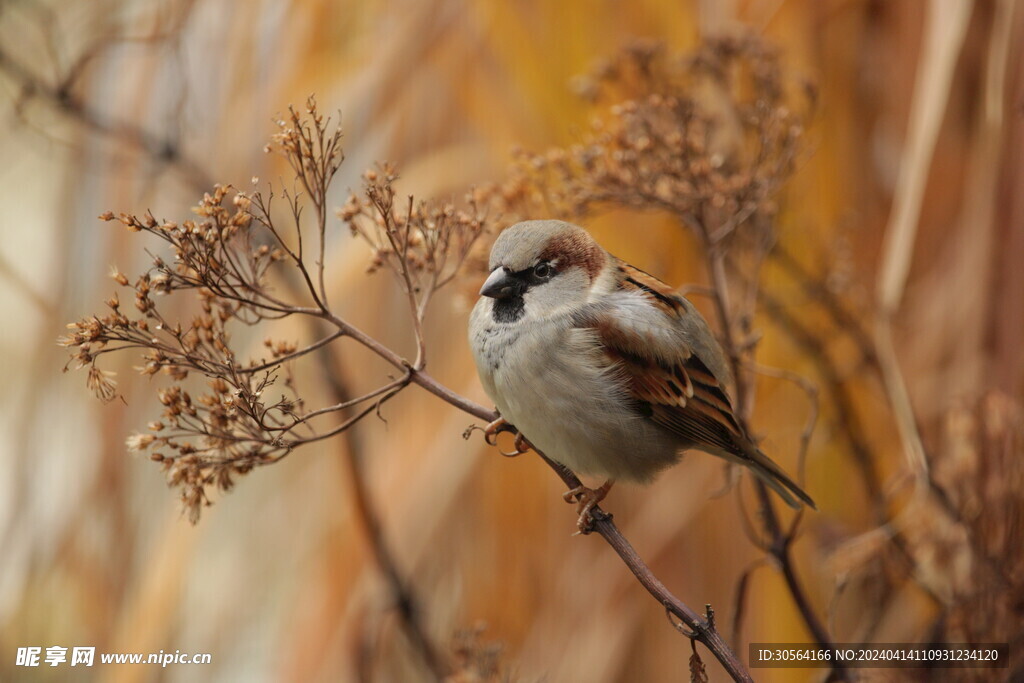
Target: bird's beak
500	284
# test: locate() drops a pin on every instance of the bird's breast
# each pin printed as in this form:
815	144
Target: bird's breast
553	382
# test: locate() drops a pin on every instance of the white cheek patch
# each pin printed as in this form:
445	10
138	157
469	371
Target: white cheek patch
567	290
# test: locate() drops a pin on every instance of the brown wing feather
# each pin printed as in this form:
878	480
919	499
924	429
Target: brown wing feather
675	389
661	295
658	381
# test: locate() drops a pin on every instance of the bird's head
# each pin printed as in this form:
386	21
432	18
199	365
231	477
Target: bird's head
539	268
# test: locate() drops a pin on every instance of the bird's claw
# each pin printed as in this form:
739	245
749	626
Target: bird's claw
521	445
586	500
493	429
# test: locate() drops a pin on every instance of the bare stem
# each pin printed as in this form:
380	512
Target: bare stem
779	541
161	150
402	588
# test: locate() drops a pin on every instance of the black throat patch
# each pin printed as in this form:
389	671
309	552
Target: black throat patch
508	310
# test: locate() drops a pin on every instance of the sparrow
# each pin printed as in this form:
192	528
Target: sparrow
601	366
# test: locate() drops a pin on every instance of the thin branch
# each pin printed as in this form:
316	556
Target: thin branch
162	150
811	391
406	600
740	601
816	290
386	393
292	356
702	629
780	548
838	391
946	27
780	541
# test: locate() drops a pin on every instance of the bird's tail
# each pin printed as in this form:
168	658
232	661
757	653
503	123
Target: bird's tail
776	479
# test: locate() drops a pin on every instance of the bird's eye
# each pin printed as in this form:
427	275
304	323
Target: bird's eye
542	270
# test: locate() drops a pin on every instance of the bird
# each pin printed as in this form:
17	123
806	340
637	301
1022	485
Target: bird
602	367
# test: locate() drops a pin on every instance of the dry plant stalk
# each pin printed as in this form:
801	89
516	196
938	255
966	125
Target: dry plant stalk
228	258
424	245
966	537
978	477
709	137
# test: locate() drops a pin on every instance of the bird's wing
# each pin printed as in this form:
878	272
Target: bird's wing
656	339
641	328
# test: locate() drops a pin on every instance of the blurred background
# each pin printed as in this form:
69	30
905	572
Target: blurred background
899	297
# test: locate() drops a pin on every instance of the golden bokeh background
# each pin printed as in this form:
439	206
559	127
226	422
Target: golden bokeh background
129	105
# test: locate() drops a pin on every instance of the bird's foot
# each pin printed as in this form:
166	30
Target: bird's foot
521	445
586	500
497	427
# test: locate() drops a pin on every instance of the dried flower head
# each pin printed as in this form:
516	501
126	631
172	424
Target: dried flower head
208	433
708	137
424	244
